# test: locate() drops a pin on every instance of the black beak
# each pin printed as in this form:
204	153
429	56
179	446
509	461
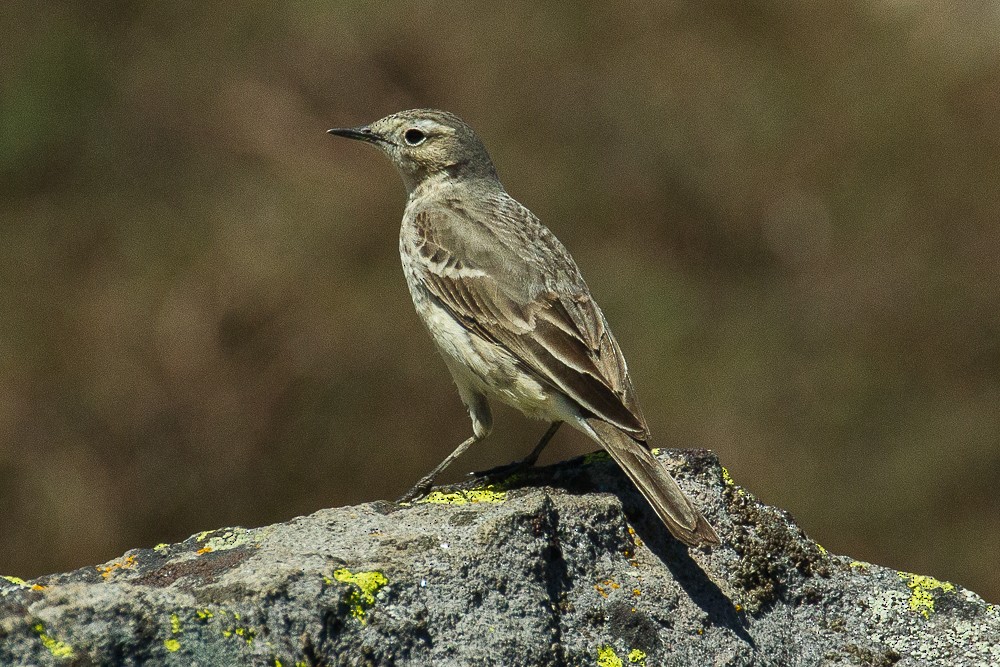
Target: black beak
363	133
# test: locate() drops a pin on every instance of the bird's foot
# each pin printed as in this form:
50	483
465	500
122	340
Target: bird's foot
505	470
419	490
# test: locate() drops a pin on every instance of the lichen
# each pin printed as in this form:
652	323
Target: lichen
364	586
58	649
488	494
594	457
921	600
230	539
730	483
637	657
125	563
172	644
218	620
21	583
605	587
606	657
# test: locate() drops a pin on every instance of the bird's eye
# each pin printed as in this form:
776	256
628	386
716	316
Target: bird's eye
414	137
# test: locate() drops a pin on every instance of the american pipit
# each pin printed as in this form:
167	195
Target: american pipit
509	310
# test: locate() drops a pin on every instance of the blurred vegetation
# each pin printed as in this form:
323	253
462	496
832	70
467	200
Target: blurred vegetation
788	212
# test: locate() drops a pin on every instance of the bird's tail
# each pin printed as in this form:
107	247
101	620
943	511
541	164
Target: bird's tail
674	508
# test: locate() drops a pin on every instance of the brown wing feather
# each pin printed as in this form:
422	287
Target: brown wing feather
542	314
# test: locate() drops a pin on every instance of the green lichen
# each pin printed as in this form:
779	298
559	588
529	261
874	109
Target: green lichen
240	631
230	539
172	644
488	494
20	583
921	600
728	480
228	630
606	657
364	587
58	649
637	657
594	457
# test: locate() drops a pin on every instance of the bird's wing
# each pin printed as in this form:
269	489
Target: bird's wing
491	279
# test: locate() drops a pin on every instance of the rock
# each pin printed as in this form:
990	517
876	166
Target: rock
563	565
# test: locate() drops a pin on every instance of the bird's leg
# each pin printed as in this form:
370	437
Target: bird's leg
531	458
527	461
482	423
421	488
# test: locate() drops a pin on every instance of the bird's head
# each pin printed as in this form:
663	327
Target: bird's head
426	143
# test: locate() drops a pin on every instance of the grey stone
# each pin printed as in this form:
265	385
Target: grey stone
563	565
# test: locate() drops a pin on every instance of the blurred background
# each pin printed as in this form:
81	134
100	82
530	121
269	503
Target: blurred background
788	212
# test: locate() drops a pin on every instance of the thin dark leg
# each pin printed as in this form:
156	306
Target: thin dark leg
421	488
531	458
527	461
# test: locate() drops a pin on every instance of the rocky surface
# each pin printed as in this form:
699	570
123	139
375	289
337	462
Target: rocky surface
562	565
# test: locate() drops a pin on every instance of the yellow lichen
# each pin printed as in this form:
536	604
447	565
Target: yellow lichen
125	563
728	480
489	494
18	581
637	657
603	587
921	600
241	630
606	657
172	645
57	648
859	565
635	538
365	585
822	549
175	624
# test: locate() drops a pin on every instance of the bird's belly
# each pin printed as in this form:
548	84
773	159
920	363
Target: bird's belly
490	369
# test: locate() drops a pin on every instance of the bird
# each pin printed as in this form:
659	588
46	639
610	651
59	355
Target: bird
509	310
